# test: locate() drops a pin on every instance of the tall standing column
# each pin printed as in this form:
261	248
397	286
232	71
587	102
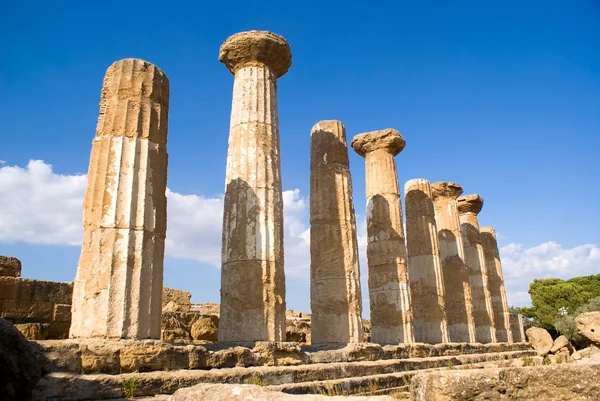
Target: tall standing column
496	285
252	276
391	316
335	297
118	288
454	270
468	208
424	265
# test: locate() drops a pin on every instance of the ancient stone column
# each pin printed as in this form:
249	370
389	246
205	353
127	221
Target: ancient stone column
118	288
391	316
457	290
468	208
335	296
424	265
252	276
496	285
516	327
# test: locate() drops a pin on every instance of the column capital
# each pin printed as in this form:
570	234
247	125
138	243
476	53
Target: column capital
388	139
256	47
445	190
470	204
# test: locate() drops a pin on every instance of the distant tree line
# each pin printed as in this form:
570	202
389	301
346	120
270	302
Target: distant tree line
556	303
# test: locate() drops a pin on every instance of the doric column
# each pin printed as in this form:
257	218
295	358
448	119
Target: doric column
391	318
496	285
118	288
468	208
424	265
516	328
335	297
454	270
252	276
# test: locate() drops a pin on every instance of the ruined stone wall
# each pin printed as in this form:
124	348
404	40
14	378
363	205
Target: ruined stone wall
174	300
39	309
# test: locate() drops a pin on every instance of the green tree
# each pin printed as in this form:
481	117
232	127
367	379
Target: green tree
554	297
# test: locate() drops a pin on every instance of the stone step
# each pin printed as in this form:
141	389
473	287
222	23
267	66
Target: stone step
397	382
70	386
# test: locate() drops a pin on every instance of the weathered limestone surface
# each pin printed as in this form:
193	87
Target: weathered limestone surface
516	327
335	296
39	309
174	300
236	392
118	288
469	207
252	275
588	325
496	285
10	266
424	265
391	316
457	288
562	382
540	340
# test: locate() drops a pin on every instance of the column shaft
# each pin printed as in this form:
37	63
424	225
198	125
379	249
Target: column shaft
424	265
118	288
496	285
475	260
457	290
517	329
335	295
391	316
252	276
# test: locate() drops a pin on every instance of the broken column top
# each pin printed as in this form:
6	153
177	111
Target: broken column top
445	190
388	139
148	81
328	144
489	230
470	204
256	47
334	127
415	184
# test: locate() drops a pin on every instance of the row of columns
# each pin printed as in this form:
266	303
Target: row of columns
442	283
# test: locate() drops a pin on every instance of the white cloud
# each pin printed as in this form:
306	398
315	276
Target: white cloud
521	265
38	206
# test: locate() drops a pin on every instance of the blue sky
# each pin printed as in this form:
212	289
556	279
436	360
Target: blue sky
501	97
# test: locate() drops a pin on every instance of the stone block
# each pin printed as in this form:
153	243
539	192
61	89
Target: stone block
62	313
540	340
205	328
34	331
58	330
231	357
150	355
559	343
197	357
10	266
59	356
101	357
279	353
174	300
561	382
9	287
27	311
588	325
